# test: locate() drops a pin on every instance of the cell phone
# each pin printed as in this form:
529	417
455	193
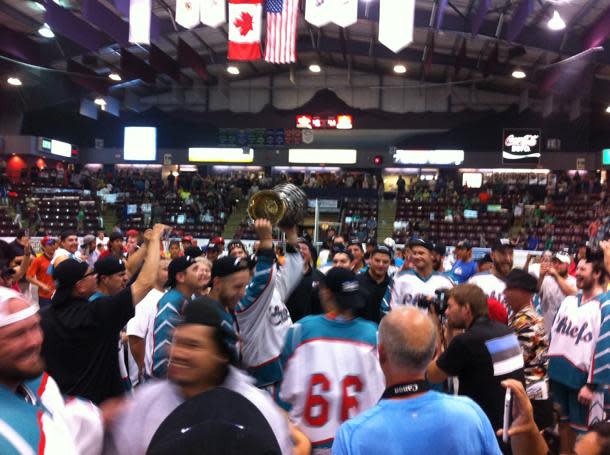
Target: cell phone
508	406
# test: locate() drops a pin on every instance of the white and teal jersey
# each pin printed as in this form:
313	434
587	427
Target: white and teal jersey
579	351
330	374
492	286
408	287
37	420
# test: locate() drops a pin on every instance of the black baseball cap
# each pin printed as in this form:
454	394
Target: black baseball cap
421	242
463	245
213	247
501	244
66	274
356	242
485	259
345	288
236	244
207	311
193	251
216	422
115	236
371	241
228	265
520	279
383	249
177	265
109	265
336	249
440	248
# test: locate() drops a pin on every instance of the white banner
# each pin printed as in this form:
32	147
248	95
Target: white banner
139	21
319	12
187	13
213	12
345	12
396	18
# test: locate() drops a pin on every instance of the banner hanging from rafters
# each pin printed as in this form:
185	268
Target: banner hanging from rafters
213	12
187	13
139	21
396	18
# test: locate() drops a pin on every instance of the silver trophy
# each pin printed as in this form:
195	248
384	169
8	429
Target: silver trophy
285	205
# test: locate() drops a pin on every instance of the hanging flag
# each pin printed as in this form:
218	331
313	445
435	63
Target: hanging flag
245	17
213	12
319	12
345	12
281	30
139	21
187	13
396	19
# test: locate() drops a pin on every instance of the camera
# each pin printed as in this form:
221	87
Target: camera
438	301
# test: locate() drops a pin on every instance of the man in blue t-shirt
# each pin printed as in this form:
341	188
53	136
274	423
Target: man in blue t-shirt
410	418
464	266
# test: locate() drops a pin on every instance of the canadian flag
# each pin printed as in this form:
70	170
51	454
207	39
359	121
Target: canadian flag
245	17
187	13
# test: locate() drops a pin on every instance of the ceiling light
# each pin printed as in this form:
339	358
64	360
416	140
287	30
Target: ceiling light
232	70
39	6
14	81
400	69
115	76
315	68
608	110
100	102
519	74
556	22
46	31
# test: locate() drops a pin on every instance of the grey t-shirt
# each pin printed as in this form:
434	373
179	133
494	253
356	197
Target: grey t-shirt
551	297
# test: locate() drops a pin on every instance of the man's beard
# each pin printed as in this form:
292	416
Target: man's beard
18	375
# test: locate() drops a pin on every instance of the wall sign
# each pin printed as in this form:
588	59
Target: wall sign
521	146
581	164
606	157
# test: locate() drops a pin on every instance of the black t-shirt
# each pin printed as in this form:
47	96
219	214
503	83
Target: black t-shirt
299	302
81	344
470	356
373	293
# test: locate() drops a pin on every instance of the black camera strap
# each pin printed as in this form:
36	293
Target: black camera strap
405	390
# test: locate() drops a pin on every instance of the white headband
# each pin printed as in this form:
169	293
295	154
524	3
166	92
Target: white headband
7	294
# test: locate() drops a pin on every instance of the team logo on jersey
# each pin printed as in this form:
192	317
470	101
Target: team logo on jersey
565	327
278	315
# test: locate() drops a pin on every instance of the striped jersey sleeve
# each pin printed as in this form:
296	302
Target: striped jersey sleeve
169	310
600	367
263	275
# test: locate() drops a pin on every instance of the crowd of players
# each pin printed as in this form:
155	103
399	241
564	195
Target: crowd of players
355	349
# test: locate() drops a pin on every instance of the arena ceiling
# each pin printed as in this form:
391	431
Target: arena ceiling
568	63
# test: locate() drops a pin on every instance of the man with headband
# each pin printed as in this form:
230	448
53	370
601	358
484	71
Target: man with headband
34	418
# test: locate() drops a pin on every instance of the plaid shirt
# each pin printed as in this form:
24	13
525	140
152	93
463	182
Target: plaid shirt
529	328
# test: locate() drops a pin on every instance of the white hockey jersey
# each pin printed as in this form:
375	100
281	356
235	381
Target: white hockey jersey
262	316
40	421
579	351
492	286
407	287
330	374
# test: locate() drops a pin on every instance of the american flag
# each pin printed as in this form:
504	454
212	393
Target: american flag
281	30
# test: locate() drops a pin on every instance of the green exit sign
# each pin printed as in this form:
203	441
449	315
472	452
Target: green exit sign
606	157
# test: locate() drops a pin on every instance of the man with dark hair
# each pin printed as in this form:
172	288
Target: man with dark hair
492	282
80	345
554	285
201	359
358	264
299	302
17	246
333	356
37	272
487	353
410	418
68	244
464	267
115	246
579	364
184	277
374	282
237	249
529	328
